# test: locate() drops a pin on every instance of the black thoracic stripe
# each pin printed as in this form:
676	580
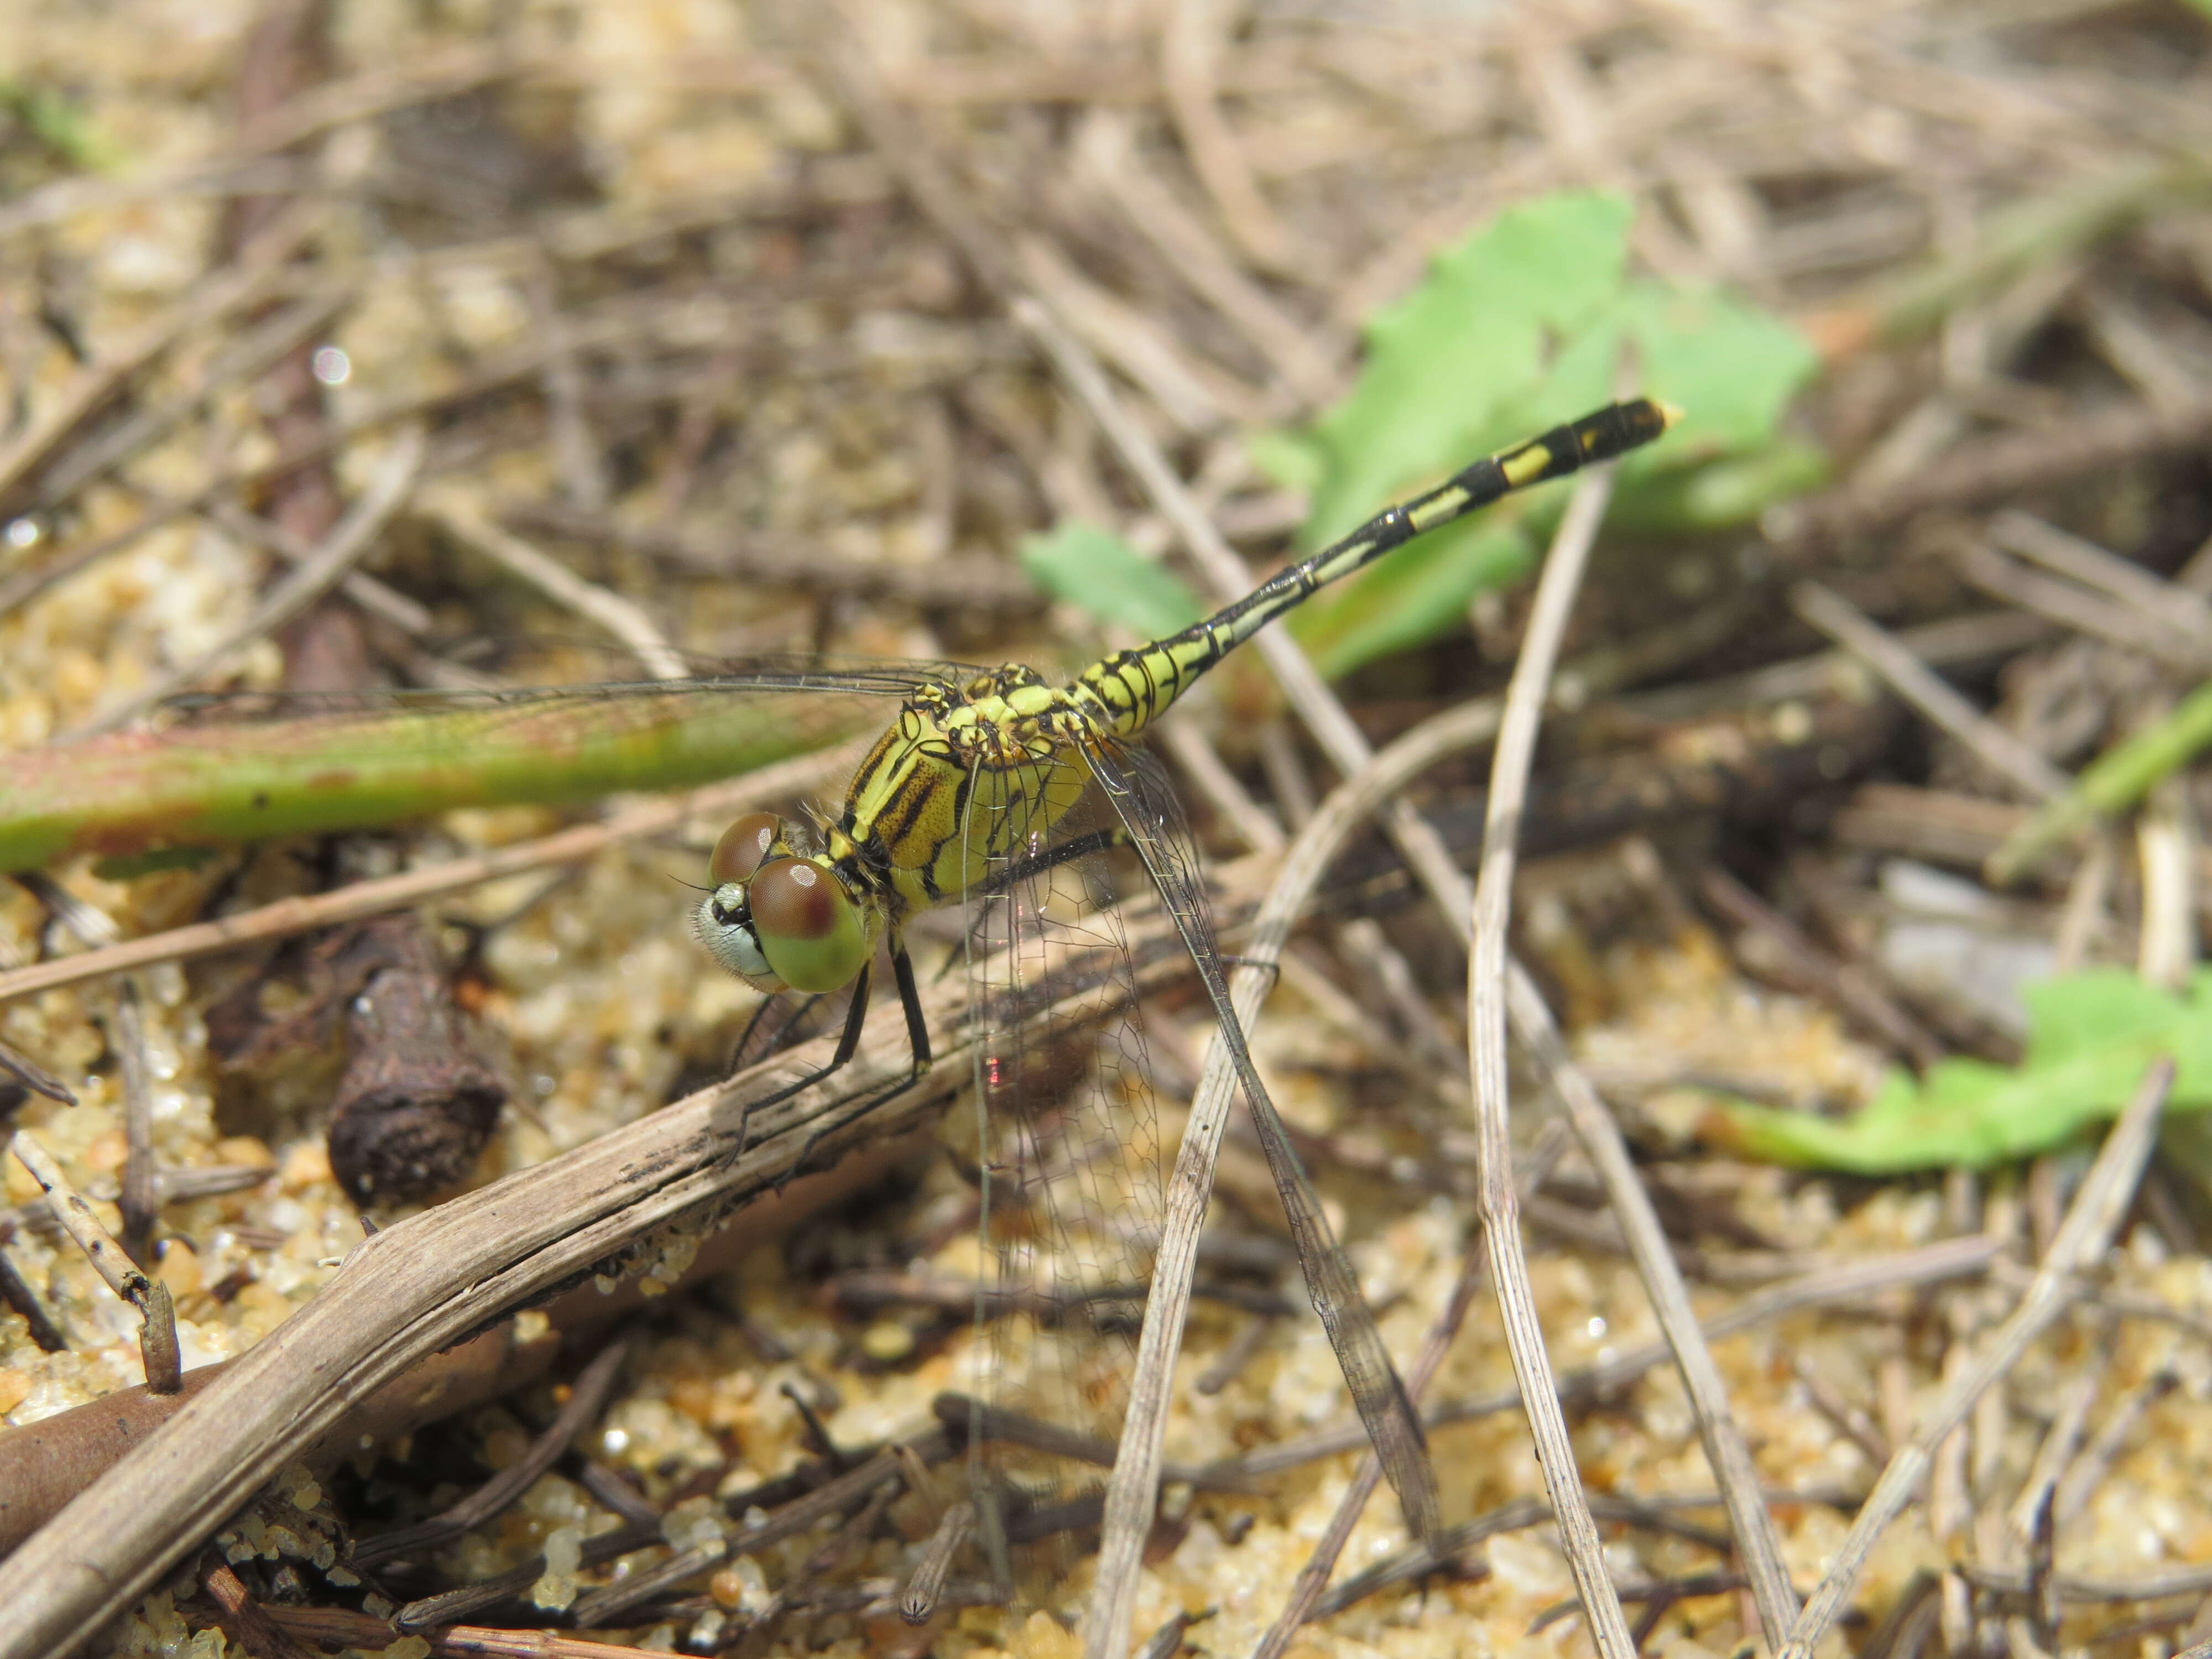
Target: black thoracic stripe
962	794
906	807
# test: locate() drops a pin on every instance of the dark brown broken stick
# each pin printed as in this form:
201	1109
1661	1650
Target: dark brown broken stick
416	1103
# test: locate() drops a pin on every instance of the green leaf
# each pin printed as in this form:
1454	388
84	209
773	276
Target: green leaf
1101	575
1291	460
2091	1037
1523	325
62	126
1446	364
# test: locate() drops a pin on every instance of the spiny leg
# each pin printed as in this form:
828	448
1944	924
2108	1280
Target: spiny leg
848	1043
917	1033
776	1044
1035	864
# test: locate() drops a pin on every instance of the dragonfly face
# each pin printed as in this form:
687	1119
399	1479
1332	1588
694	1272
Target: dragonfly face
776	918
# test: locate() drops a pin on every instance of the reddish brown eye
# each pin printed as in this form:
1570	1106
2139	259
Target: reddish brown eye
792	899
742	847
810	930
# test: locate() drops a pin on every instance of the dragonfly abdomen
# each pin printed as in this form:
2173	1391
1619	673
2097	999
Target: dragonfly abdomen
1132	688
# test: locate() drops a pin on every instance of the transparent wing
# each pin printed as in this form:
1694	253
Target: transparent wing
1073	1174
1146	804
580	674
236	769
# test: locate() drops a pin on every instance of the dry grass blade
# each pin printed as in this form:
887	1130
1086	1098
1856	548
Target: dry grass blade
2096	1212
1497	1205
626	621
2004	754
1725	1450
589	1394
157	1337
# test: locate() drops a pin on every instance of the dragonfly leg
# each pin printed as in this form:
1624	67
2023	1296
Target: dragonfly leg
1035	864
917	1031
777	1043
848	1043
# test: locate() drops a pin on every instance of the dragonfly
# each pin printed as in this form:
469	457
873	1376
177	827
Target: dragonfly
996	790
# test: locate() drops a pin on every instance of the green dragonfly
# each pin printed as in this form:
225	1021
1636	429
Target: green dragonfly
986	787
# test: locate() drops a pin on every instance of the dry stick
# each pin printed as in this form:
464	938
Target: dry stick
1997	749
626	621
350	538
2167	604
2074	1487
241	1618
340	1627
607	1604
441	73
502	369
157	1334
382	600
31	1075
285	917
2095	1214
1723	1442
593	1386
16	1292
1190	49
1847	988
1106	150
2055	1453
140	1200
265	344
2082	609
1497	1207
926	1584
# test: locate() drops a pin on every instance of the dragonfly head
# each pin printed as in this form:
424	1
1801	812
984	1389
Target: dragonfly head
775	918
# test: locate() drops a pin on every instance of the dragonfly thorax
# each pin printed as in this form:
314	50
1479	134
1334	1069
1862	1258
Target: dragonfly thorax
973	772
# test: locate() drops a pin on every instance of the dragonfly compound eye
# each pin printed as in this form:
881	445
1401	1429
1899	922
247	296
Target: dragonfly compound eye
809	926
724	924
744	846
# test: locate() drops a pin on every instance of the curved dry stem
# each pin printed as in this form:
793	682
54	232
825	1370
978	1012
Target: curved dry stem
1497	1207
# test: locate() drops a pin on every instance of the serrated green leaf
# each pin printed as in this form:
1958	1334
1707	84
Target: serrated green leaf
2091	1037
1526	324
1445	363
1098	573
